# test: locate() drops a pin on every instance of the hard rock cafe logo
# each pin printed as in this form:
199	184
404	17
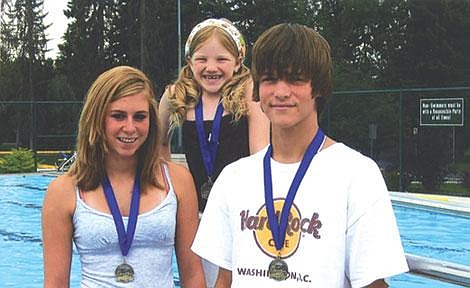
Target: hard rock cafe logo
296	227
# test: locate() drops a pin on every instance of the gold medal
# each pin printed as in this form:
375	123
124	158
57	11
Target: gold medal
278	269
124	273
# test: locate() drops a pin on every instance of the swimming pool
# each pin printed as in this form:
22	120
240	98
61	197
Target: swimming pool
423	233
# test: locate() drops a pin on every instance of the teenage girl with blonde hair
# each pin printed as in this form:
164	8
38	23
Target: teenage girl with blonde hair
124	207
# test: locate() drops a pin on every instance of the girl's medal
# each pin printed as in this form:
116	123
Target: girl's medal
124	272
209	146
206	188
278	269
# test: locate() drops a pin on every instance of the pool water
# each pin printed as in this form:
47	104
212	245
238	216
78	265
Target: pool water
434	235
423	233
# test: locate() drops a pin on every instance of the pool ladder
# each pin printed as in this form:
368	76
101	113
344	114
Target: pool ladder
65	165
439	270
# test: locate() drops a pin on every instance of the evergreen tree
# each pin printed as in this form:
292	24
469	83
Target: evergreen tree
24	46
85	52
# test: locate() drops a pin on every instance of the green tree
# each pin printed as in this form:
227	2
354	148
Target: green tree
85	51
434	54
362	34
24	46
253	17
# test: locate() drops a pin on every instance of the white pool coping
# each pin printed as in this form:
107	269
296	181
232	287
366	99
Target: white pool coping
460	205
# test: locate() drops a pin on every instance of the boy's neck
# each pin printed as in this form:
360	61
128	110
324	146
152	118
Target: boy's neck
289	145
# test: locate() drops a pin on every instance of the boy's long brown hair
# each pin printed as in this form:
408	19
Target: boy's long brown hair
293	49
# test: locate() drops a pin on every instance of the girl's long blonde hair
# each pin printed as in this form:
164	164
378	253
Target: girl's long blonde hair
186	92
88	168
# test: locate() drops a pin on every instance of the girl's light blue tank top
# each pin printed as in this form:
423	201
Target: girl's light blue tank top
150	254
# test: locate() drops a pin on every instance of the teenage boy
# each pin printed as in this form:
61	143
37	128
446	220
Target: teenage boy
306	211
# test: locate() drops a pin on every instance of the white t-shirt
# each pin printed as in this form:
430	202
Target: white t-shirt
341	232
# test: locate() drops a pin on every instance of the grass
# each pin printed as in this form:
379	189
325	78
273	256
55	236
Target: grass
461	166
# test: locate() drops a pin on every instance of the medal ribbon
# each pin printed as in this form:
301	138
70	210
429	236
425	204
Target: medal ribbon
125	238
278	228
208	148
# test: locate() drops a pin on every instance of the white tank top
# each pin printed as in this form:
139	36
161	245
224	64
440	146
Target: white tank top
151	252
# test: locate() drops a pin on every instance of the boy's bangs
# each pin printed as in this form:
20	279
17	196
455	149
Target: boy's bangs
284	54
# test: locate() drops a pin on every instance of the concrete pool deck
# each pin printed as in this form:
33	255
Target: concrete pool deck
460	205
453	204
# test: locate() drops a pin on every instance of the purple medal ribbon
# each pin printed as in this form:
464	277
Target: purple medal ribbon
278	228
208	148
125	238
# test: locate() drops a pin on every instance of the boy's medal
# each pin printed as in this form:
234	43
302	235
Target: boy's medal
278	269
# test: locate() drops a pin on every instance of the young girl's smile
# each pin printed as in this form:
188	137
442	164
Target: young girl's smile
213	65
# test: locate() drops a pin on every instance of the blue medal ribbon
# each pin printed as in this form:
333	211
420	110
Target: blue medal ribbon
208	147
125	237
278	228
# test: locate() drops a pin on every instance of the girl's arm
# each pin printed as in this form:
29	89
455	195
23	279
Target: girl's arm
164	122
378	284
57	231
224	278
187	219
258	123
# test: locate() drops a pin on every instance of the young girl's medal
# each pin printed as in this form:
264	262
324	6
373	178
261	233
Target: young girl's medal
206	188
209	146
278	269
124	272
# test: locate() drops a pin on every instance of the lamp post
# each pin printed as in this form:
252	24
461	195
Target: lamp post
179	131
142	35
179	33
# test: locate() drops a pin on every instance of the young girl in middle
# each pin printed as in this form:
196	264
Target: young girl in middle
212	101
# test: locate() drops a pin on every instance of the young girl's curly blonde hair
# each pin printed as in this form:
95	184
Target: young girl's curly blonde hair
185	92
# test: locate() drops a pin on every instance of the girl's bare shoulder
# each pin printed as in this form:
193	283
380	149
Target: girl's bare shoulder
61	191
178	171
180	177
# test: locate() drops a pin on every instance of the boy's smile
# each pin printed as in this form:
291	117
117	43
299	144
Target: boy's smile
287	103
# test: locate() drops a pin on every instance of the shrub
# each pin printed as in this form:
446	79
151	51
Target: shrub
392	179
466	179
19	161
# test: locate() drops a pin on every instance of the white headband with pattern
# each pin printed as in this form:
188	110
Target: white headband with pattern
223	24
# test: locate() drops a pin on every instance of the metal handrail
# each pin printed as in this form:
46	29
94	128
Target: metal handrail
439	270
66	164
